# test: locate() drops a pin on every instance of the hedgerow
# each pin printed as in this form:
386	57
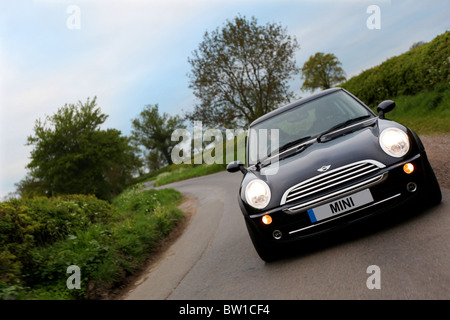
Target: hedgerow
40	237
419	69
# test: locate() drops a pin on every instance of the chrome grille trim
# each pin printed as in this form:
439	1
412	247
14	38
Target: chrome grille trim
330	179
336	195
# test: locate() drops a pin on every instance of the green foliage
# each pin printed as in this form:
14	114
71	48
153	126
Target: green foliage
154	132
184	173
28	227
322	71
241	71
427	112
41	237
421	68
72	155
41	220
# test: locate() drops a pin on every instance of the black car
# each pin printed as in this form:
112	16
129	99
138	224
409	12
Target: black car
329	161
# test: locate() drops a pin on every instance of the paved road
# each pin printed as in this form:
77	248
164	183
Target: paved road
215	259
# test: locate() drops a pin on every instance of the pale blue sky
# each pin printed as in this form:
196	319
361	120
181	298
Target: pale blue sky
133	53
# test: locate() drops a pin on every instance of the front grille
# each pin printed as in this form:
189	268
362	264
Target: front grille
332	180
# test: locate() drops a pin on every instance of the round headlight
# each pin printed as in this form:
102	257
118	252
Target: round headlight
394	142
257	194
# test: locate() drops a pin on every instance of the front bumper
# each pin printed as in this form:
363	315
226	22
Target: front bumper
393	190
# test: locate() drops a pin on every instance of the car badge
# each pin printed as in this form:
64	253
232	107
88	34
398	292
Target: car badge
324	168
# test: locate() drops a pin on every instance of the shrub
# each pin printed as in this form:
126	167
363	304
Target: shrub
40	237
419	69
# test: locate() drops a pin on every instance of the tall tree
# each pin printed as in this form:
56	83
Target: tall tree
154	132
73	155
241	71
322	71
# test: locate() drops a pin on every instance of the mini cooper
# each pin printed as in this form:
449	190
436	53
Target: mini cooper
324	162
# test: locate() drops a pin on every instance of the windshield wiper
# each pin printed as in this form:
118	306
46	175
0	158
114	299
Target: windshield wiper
292	143
342	125
286	146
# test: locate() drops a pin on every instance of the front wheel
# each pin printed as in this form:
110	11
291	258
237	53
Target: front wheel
265	252
433	194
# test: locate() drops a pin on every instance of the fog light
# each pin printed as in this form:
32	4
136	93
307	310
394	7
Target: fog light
277	234
408	168
411	187
267	219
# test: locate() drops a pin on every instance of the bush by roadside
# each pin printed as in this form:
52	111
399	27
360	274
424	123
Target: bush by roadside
41	237
419	69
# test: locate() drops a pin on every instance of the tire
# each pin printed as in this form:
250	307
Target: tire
433	194
265	252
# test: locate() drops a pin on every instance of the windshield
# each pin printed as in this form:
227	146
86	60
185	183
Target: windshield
299	124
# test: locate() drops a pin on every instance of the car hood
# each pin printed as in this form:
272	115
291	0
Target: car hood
359	145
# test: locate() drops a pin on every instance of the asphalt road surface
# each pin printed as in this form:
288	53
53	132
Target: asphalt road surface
215	259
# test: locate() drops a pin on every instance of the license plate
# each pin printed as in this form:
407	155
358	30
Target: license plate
340	206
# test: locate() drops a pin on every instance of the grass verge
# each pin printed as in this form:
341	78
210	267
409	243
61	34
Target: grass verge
184	173
427	112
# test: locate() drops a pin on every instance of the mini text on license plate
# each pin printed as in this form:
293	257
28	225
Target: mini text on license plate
339	206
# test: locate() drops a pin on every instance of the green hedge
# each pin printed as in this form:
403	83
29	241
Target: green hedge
419	69
41	237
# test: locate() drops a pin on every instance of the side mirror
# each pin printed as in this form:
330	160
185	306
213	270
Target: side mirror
235	166
385	107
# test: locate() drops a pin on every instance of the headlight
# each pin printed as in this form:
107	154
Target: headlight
257	194
394	142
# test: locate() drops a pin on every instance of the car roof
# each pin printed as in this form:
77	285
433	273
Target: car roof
294	105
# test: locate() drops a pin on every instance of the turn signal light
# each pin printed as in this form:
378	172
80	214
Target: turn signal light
267	219
408	168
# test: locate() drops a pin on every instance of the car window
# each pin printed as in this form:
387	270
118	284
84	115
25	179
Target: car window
308	120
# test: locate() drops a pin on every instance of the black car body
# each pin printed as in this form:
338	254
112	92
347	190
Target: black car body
336	166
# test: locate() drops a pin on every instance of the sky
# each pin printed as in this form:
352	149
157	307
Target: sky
133	53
